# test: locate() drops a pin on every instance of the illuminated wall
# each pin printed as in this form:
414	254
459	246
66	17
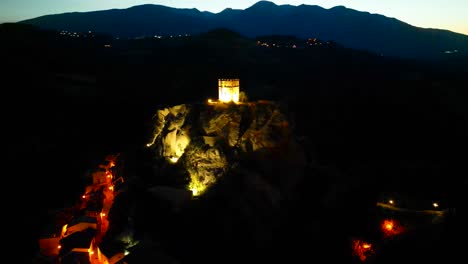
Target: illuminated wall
49	246
228	90
79	227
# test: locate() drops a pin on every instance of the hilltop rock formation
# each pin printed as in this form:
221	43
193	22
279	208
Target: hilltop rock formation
209	140
238	164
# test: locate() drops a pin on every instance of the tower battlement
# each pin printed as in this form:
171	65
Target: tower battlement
228	90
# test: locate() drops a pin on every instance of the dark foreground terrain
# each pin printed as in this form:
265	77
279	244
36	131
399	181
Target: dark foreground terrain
373	124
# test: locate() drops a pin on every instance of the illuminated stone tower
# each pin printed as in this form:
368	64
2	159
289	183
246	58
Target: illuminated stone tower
228	90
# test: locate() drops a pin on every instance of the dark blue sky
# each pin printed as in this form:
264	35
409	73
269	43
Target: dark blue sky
443	14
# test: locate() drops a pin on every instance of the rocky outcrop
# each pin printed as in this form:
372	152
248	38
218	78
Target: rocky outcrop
241	162
209	139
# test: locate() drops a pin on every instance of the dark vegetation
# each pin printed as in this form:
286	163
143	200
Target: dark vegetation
399	125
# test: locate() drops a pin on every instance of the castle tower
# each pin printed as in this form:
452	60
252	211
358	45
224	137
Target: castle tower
228	90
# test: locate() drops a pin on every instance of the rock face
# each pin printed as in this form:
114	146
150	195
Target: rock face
239	162
208	140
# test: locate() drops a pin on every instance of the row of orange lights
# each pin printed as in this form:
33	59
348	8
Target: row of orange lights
102	214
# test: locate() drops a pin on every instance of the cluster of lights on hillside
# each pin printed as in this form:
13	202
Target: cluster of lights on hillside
309	43
162	36
51	246
67	33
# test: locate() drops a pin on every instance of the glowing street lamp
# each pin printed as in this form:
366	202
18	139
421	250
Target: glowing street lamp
391	202
435	205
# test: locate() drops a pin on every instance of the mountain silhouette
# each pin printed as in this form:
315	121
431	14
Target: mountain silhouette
351	28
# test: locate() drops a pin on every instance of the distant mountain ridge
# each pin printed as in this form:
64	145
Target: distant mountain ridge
351	28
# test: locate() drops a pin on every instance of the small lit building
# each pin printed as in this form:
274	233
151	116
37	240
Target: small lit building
49	245
228	90
99	176
79	224
81	247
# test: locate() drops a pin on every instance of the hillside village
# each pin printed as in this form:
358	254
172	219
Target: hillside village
206	157
78	240
78	231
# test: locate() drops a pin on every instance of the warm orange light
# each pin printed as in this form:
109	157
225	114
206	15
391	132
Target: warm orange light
390	201
362	249
59	246
64	229
435	205
391	227
84	196
103	214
